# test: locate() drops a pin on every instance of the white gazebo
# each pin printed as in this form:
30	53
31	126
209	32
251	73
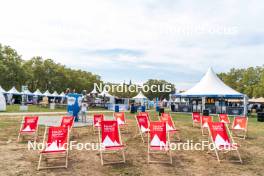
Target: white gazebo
62	94
140	97
55	94
94	91
27	92
37	93
211	86
47	93
105	93
13	91
2	90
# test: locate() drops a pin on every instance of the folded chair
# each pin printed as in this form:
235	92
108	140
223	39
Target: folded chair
196	118
143	125
239	127
222	140
204	123
170	126
29	127
224	118
97	119
55	147
120	118
110	141
158	141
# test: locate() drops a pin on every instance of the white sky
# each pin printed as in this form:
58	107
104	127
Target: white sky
175	40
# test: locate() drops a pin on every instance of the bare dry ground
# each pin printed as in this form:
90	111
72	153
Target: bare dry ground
15	158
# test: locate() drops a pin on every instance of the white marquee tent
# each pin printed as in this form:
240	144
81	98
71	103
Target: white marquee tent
211	86
55	94
13	91
2	102
47	93
140	98
2	90
105	93
62	94
94	91
38	93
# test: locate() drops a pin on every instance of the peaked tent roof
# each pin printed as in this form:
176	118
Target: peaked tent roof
210	86
2	90
37	93
55	94
27	92
62	94
47	93
94	91
140	95
105	93
13	91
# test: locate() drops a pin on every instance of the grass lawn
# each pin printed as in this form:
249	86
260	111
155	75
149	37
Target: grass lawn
38	108
17	160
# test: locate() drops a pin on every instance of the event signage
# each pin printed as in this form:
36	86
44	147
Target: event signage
74	103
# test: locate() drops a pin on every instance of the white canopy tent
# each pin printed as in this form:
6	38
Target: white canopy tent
104	93
62	94
13	91
211	86
27	92
140	98
2	90
94	91
37	93
55	94
47	93
2	102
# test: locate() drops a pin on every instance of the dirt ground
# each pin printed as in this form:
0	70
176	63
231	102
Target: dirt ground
16	159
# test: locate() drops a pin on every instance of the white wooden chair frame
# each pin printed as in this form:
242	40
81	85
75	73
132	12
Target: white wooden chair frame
34	134
236	133
102	151
165	152
55	155
140	133
224	151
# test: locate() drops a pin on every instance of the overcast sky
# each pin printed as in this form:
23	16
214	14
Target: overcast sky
175	40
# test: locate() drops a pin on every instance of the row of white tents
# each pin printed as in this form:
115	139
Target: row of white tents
14	91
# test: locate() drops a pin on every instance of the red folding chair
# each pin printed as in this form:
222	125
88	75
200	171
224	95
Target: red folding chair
121	120
144	114
224	118
56	146
29	127
196	118
143	125
170	126
222	140
158	141
110	140
204	123
68	121
97	119
239	127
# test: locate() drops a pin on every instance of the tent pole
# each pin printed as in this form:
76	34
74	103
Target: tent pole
245	105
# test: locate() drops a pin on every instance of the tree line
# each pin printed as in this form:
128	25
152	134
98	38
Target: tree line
249	81
45	74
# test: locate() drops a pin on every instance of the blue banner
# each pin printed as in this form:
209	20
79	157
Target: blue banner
74	104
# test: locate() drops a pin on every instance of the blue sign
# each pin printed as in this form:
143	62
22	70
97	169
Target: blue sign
74	104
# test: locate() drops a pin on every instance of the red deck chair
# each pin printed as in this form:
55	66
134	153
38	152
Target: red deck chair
144	114
56	146
222	140
224	118
67	121
97	119
158	141
121	120
170	126
204	122
239	127
110	140
143	125
29	127
196	118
